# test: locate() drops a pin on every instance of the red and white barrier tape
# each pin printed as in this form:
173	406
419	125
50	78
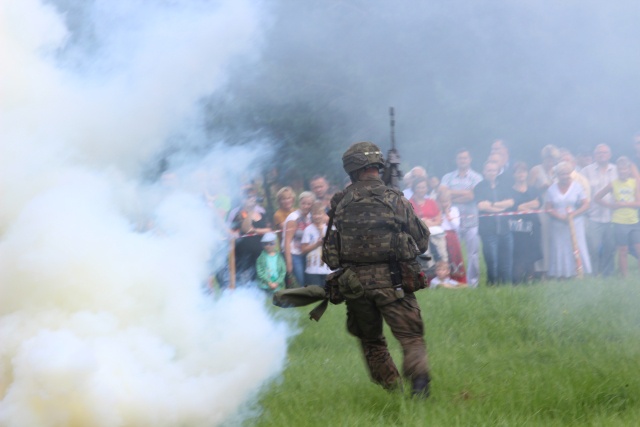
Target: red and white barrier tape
256	234
536	211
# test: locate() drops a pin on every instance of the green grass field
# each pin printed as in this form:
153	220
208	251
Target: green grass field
551	354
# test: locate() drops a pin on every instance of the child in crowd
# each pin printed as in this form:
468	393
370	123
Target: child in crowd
311	244
443	278
451	224
270	266
625	219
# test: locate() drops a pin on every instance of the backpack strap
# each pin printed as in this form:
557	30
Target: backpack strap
339	199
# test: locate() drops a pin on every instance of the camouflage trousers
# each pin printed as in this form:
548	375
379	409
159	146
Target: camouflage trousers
364	320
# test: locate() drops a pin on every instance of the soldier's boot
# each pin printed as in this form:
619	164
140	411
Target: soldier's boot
381	367
420	386
395	386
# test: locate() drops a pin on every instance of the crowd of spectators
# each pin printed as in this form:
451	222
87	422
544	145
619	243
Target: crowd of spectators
559	219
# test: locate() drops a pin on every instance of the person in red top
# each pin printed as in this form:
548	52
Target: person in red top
451	224
429	212
424	207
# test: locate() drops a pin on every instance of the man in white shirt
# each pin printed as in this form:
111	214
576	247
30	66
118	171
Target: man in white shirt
599	174
461	183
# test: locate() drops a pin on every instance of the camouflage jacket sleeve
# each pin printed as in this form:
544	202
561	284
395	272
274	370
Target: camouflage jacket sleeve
336	199
414	225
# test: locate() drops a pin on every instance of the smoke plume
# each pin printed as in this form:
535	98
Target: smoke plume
103	320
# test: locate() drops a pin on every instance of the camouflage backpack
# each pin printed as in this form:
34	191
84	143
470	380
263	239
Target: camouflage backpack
367	229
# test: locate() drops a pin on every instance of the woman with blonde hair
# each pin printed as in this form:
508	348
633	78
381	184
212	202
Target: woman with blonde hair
566	202
286	198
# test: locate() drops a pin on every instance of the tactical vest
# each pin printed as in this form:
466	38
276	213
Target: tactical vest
367	226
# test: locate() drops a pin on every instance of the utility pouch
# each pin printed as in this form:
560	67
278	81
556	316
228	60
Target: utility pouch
413	278
332	287
349	285
331	248
406	247
396	276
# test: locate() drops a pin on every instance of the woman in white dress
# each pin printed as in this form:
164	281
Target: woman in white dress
566	199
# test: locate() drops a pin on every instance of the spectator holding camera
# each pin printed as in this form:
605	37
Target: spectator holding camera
250	224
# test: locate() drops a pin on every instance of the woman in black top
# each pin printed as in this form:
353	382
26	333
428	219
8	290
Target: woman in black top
525	228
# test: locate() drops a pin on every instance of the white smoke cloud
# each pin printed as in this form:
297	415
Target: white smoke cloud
101	324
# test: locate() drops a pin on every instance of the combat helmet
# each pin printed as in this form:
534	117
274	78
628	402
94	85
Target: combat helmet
360	155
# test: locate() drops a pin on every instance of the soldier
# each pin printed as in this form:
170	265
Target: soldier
379	237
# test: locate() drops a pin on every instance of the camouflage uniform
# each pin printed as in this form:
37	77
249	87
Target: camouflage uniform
363	231
364	321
